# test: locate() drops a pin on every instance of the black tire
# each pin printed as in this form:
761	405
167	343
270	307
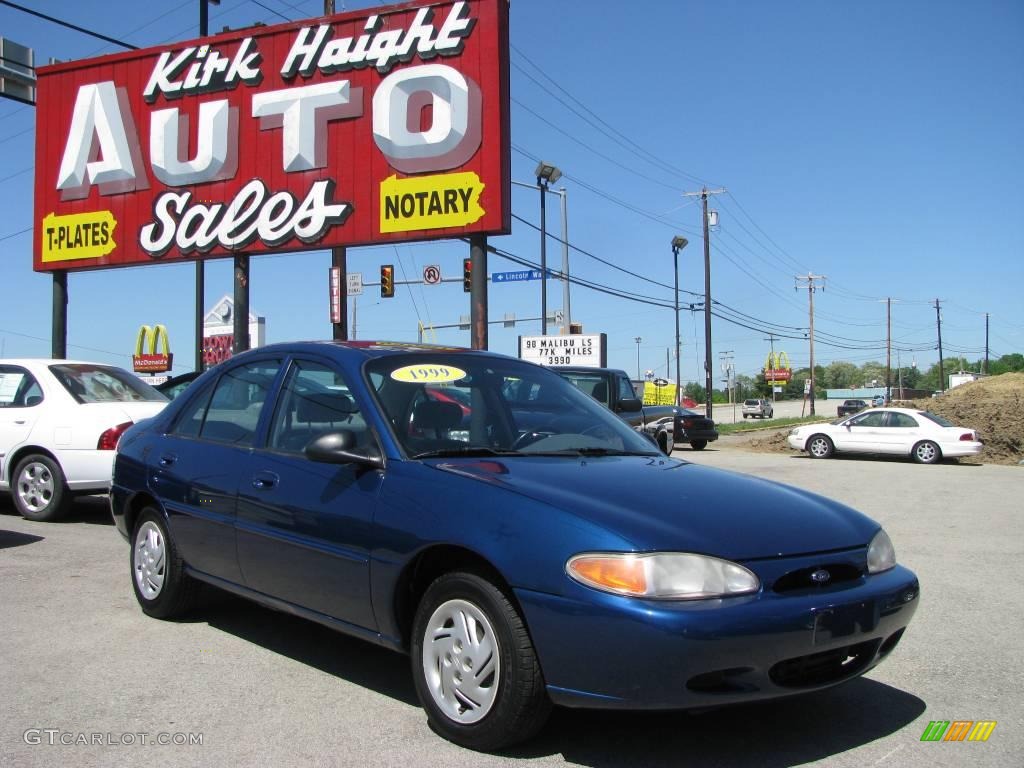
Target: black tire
162	587
518	704
39	489
698	445
820	447
926	452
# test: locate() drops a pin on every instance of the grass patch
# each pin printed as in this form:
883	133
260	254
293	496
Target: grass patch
753	425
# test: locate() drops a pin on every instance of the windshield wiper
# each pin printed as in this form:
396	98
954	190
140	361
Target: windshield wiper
469	450
595	452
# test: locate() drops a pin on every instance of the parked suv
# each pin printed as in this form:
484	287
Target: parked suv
762	409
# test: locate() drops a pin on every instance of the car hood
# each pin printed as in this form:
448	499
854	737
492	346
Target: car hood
665	504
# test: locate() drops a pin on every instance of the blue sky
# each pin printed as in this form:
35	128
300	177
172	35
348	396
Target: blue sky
876	143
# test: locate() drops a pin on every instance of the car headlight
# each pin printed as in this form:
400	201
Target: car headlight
662	575
881	553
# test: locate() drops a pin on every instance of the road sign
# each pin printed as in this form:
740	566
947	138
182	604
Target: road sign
432	274
522	274
355	283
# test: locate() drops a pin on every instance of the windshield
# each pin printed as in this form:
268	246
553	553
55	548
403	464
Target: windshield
452	403
103	384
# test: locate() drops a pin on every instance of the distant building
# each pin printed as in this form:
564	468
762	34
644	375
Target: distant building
964	377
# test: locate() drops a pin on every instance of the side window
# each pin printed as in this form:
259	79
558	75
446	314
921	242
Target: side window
626	389
190	420
315	399
237	400
872	420
901	420
18	388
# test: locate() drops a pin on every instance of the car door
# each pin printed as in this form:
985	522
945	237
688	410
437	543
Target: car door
197	466
903	431
863	433
304	527
20	406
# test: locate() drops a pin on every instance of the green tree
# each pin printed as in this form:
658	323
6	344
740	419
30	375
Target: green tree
840	375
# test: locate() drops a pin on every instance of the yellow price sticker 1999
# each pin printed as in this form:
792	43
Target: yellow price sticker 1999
428	374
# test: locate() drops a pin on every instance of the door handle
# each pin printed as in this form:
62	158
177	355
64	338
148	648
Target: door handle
167	460
19	421
265	480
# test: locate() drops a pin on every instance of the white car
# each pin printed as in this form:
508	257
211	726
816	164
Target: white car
924	436
60	421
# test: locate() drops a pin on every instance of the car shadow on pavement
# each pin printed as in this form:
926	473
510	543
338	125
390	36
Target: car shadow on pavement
10	539
357	661
94	510
786	732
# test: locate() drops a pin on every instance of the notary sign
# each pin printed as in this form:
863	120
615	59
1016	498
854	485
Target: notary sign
373	126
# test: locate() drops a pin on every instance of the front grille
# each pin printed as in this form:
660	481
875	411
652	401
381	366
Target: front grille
722	681
838	573
825	667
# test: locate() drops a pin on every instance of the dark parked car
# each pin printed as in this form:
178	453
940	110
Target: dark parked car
547	554
850	407
690	427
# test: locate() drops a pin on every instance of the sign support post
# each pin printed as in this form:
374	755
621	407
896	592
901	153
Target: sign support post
240	332
478	291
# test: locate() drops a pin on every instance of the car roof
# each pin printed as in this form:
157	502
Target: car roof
28	362
370	348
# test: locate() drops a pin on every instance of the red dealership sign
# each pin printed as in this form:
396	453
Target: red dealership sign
383	125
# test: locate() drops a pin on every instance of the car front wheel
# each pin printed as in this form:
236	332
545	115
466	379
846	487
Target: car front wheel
820	447
475	669
39	489
161	585
926	452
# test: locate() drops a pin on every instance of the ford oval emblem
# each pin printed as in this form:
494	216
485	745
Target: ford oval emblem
821	576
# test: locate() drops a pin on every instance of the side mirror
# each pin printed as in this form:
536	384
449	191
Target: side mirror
630	405
337	447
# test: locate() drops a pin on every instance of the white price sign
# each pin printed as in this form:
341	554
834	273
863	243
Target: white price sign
576	349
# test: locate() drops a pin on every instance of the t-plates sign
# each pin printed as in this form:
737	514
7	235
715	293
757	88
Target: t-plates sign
432	274
383	125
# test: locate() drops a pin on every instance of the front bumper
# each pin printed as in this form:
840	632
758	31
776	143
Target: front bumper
604	651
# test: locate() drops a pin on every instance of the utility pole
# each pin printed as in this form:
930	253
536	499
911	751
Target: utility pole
942	374
726	363
888	348
707	291
985	370
771	361
811	281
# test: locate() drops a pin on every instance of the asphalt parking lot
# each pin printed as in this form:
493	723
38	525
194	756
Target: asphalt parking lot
81	663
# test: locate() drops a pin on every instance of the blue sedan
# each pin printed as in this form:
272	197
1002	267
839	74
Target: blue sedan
511	535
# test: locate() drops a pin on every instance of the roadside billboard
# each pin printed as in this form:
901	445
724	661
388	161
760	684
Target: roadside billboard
383	125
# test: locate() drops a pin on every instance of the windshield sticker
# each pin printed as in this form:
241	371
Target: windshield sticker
434	374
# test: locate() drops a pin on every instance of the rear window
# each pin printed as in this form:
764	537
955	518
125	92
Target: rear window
89	383
937	419
751	402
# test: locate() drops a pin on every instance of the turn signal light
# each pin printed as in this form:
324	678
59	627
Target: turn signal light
108	440
968	437
619	574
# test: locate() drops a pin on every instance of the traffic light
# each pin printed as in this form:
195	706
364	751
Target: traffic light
467	274
387	281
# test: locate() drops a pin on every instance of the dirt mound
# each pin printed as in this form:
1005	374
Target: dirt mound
994	406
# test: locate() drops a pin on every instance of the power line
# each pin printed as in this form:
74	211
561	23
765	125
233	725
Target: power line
69	25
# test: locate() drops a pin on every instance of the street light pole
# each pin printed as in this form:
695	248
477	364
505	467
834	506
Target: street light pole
678	243
546	174
638	340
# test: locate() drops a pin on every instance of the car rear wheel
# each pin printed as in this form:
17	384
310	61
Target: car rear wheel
161	585
926	452
475	669
39	489
698	445
820	447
